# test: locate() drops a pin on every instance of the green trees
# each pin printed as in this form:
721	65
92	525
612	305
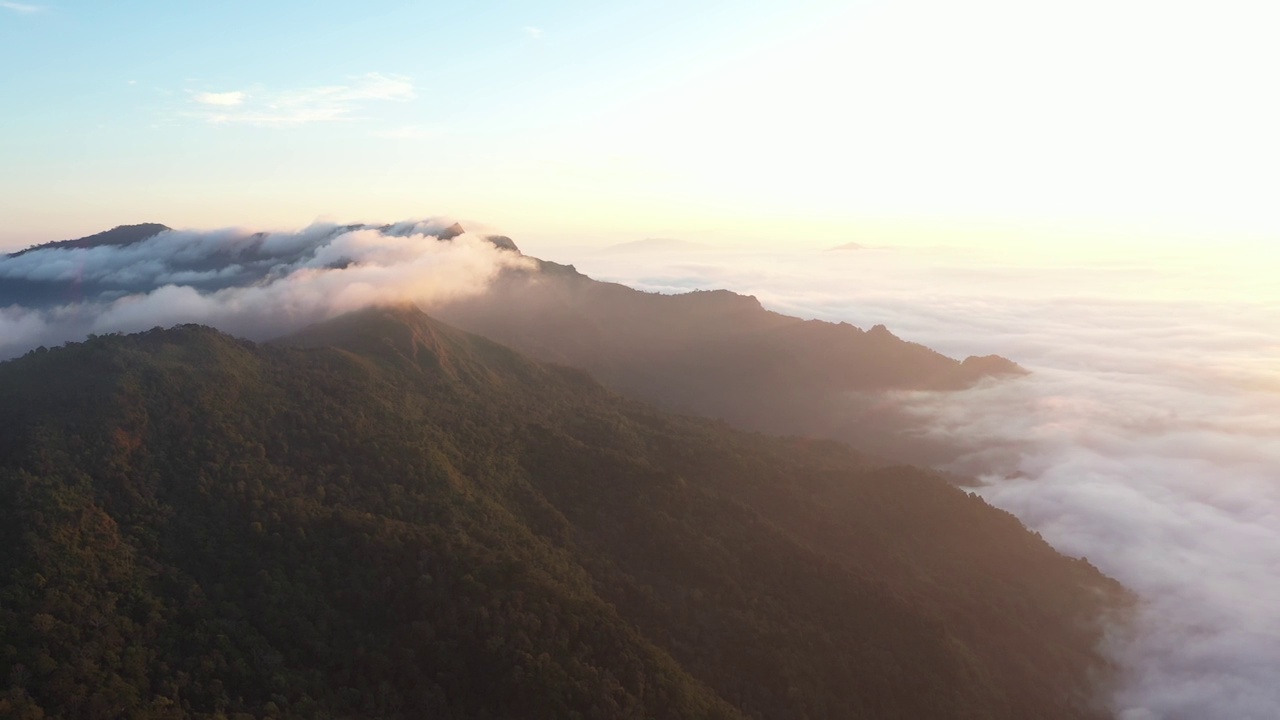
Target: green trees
384	517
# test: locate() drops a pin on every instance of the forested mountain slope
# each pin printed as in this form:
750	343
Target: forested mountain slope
716	354
719	354
382	516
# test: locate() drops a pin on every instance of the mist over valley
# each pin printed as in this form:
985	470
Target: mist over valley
1153	457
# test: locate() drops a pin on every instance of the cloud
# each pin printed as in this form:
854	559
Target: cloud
533	32
285	108
223	98
22	8
258	285
407	132
1147	437
1169	485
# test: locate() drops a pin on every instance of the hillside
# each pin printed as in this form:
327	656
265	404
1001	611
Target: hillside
116	236
716	354
722	355
382	516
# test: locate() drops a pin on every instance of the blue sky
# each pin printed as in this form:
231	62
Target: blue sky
911	120
104	120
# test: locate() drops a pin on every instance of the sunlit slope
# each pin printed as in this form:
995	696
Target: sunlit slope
714	353
385	517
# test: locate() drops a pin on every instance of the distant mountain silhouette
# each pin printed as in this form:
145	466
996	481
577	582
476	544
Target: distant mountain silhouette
849	246
451	232
503	242
712	353
384	516
129	234
119	235
456	229
720	354
249	258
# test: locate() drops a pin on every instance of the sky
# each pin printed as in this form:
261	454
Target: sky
1083	124
1126	150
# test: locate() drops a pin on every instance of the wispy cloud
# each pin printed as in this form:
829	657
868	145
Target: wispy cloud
407	132
532	31
222	98
284	108
20	7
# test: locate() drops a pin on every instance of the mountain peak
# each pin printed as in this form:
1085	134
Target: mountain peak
451	232
993	365
116	236
502	242
402	324
402	334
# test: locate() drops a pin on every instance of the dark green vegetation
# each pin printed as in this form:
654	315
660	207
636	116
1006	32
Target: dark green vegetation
386	517
722	355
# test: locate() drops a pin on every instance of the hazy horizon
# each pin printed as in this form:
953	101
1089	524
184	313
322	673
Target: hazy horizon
916	123
1145	438
1087	188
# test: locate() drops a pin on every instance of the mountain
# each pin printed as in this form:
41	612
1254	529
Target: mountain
455	230
720	354
119	235
383	516
134	260
849	246
716	354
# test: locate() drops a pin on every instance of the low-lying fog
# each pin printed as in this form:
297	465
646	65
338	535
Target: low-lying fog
1147	437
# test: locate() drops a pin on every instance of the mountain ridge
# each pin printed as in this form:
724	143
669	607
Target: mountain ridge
334	525
121	235
713	353
719	354
118	235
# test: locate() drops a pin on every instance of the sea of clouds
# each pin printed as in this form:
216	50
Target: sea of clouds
1147	437
255	285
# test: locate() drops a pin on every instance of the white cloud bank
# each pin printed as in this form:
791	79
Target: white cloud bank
1147	437
226	99
264	107
21	8
256	285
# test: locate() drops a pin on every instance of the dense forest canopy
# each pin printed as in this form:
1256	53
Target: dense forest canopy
383	516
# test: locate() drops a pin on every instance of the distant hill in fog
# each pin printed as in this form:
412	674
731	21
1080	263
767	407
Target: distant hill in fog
712	353
116	236
720	354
